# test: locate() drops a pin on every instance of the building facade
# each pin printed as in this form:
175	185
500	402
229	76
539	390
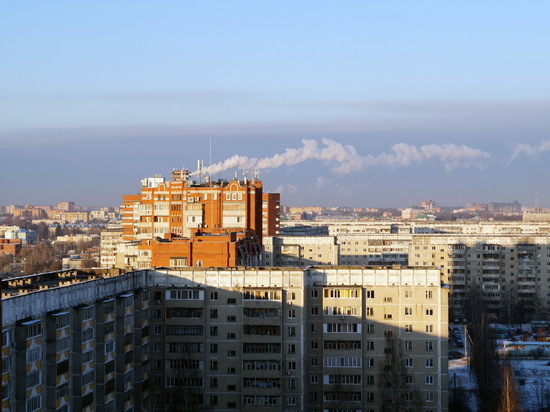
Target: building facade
170	220
227	339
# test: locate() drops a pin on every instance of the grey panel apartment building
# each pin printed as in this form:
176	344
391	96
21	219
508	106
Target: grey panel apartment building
226	339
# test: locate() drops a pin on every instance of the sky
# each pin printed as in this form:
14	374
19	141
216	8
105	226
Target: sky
359	103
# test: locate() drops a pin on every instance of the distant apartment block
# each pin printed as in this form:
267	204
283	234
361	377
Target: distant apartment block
225	339
514	207
506	265
299	251
65	216
66	206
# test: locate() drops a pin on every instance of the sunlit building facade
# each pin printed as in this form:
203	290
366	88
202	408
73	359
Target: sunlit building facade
224	339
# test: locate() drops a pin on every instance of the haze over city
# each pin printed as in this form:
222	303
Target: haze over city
364	104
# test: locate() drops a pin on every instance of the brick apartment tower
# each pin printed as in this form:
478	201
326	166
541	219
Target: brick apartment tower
182	222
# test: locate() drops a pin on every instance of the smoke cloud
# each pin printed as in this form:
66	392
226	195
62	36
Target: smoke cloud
344	159
531	151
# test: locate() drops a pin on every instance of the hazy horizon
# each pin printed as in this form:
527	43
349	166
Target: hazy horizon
360	105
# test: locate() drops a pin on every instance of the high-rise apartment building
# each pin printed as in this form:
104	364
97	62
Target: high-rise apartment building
224	339
271	214
181	222
502	266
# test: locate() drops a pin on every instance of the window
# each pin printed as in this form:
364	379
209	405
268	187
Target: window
314	294
87	334
34	330
429	312
291	331
109	346
369	345
184	294
408	362
408	328
429	345
61	321
314	379
33	379
429	363
408	345
292	313
291	348
409	379
408	294
232	318
62	390
87	378
429	397
408	311
34	354
369	294
88	356
62	344
213	365
231	336
291	366
429	294
213	382
213	313
157	330
369	363
369	327
429	328
369	311
34	403
213	348
213	295
213	330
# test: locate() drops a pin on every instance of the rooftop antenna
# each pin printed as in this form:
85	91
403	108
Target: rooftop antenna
537	206
210	165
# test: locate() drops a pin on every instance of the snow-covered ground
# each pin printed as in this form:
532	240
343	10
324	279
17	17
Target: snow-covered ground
532	378
464	382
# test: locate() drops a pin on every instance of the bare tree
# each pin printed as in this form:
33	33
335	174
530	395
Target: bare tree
485	364
541	397
398	391
510	400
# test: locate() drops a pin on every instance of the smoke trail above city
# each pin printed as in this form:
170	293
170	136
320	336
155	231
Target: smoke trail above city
344	159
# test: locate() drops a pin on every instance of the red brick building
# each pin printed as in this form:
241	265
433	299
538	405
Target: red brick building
182	222
10	246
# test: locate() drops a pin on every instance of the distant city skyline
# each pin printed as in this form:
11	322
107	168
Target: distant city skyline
417	100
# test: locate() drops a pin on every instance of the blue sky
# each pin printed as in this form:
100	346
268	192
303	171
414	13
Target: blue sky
95	96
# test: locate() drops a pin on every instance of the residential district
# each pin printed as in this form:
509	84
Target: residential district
211	296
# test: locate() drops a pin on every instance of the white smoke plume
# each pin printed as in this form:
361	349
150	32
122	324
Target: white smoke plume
531	151
344	159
